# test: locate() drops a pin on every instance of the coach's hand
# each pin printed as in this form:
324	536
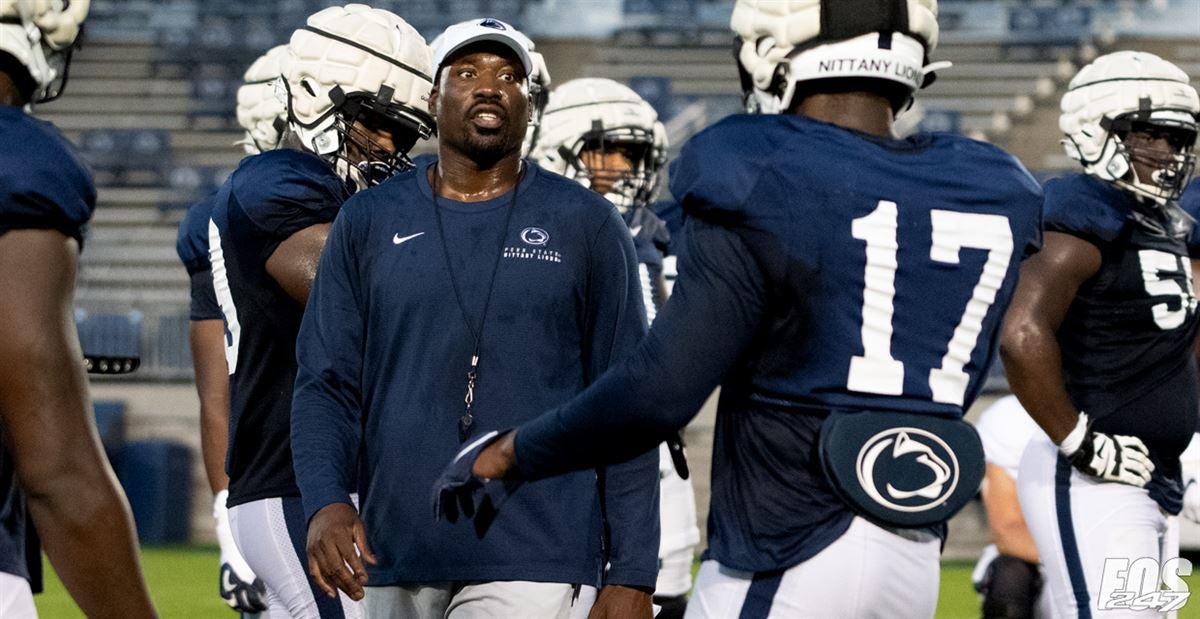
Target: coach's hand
620	602
1110	457
337	547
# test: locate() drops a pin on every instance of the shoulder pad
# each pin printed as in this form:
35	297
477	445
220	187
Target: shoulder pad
1085	207
43	181
275	185
192	241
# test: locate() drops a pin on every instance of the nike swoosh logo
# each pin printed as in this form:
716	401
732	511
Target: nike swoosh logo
397	239
635	231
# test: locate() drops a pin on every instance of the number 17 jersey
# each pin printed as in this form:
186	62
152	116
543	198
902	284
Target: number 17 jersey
890	262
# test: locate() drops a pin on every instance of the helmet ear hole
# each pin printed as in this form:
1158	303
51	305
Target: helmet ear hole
308	87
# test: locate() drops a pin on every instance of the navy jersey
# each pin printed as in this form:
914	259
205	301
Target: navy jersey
1190	202
823	270
43	185
1127	338
650	241
269	197
192	246
384	353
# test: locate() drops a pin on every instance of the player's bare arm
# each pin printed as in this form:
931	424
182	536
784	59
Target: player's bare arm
81	515
294	263
207	339
1009	531
1028	344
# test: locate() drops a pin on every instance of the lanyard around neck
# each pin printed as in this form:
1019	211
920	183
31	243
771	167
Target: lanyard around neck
468	417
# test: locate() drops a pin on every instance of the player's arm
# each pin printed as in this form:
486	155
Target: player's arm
713	315
1009	531
1033	361
1048	283
206	337
80	513
615	324
294	263
327	419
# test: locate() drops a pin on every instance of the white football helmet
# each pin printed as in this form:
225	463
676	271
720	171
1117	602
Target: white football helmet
600	114
1125	92
259	110
354	62
41	35
782	43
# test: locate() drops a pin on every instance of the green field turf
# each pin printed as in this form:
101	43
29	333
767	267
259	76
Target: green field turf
183	581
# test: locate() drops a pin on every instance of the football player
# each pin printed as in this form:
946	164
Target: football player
354	84
52	466
606	137
1098	343
845	288
1008	574
262	115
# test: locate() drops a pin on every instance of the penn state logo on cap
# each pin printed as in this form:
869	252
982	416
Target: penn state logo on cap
535	236
492	23
901	469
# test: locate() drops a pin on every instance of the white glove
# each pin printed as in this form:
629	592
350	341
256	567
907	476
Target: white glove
1110	457
241	589
1189	463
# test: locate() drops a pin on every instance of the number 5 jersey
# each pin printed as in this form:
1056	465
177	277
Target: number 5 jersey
1127	339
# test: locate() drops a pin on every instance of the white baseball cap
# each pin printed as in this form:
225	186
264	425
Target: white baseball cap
466	33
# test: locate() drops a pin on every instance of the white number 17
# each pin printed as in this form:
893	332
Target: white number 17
876	370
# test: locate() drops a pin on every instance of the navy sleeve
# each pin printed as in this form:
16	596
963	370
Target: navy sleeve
204	297
1191	205
303	191
43	183
1072	206
615	324
720	294
191	242
327	403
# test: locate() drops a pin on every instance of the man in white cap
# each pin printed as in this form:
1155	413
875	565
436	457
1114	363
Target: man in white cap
456	299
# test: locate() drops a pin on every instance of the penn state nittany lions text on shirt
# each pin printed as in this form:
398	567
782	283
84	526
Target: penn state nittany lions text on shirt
44	185
191	244
384	353
1127	339
270	197
822	270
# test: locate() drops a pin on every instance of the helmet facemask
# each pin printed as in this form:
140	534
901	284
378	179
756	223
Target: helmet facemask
1160	148
628	181
346	137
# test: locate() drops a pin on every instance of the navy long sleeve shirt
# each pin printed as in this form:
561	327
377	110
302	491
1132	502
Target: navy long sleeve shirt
383	355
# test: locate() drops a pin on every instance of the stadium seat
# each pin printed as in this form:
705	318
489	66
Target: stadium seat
132	157
156	477
110	423
109	335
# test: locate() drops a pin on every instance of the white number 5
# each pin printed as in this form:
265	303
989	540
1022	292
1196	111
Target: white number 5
876	371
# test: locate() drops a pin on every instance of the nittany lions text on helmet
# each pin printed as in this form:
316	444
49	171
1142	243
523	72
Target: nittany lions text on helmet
260	110
1124	93
358	63
40	35
780	45
602	116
